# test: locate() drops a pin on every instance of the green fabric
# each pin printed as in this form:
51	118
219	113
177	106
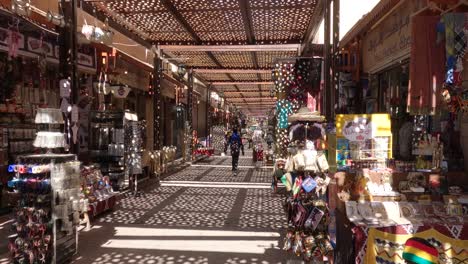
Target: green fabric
415	259
279	173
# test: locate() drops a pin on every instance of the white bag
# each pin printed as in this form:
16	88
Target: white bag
299	161
310	160
289	166
322	162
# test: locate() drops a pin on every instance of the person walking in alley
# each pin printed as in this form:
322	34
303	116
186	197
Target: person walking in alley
235	141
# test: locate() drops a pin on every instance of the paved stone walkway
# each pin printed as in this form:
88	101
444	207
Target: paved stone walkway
202	214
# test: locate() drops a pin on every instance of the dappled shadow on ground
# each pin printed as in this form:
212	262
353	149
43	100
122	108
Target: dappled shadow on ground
242	223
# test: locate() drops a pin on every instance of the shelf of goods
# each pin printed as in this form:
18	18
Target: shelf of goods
98	191
46	189
116	145
218	139
305	175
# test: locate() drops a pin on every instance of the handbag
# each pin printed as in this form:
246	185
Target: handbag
299	162
286	179
289	166
300	214
310	160
322	162
297	186
309	184
314	218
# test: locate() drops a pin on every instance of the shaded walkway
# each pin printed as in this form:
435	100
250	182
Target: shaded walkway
202	214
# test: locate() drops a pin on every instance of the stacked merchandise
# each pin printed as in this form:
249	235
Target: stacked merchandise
97	190
47	187
347	93
218	138
133	150
49	139
306	180
168	157
107	144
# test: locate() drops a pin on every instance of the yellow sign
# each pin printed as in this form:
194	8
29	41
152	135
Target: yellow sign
363	137
368	126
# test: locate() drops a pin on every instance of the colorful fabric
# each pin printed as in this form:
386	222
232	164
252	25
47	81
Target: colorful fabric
384	247
297	186
453	27
427	77
284	110
420	251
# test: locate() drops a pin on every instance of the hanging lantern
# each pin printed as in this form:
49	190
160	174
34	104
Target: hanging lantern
21	7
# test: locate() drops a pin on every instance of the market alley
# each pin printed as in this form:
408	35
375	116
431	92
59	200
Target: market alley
202	214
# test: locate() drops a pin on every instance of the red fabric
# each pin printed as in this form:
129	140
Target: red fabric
418	245
99	207
426	66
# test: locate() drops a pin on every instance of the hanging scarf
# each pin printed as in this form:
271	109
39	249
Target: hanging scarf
426	74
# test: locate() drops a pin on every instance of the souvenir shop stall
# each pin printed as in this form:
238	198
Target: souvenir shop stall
387	201
116	145
416	188
29	77
301	163
117	122
46	193
305	175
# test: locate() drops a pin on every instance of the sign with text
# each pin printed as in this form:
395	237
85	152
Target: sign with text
362	127
6	34
358	129
391	39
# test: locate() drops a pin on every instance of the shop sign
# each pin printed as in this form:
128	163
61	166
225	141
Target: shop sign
86	54
83	59
359	129
40	46
391	39
378	125
120	91
5	38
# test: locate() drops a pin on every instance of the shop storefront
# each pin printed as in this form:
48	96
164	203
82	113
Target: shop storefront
414	190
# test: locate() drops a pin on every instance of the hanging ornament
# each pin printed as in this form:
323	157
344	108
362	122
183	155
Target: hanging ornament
21	7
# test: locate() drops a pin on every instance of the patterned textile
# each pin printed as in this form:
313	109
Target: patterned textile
453	27
284	110
420	251
383	247
386	244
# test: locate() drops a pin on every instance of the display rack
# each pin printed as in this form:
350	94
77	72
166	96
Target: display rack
306	180
47	185
107	144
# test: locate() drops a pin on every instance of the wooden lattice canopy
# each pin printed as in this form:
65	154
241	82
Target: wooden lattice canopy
260	32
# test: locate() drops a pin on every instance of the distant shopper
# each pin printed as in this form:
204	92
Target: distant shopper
269	140
235	141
